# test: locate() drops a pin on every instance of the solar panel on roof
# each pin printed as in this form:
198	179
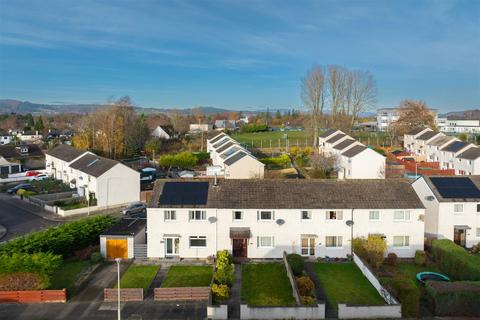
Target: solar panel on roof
456	187
184	193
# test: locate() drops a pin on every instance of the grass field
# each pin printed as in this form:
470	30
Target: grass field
188	276
266	285
345	283
67	274
138	276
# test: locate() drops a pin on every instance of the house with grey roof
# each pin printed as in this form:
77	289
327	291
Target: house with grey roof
261	219
108	181
452	207
353	159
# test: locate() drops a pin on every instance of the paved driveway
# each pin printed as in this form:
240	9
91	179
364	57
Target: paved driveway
19	217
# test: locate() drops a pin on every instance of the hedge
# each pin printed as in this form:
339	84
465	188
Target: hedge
296	262
461	298
456	261
407	292
62	240
252	127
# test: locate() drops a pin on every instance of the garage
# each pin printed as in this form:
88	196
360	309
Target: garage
123	239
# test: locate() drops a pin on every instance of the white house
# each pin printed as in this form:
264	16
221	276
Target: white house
387	116
410	137
433	147
5	139
419	145
29	136
353	159
461	126
200	127
452	208
161	133
108	181
468	162
263	218
448	154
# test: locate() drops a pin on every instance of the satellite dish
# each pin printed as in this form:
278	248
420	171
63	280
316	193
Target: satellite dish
212	219
349	223
429	198
280	221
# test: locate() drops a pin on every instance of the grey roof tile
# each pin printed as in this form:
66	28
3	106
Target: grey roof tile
65	152
353	151
93	165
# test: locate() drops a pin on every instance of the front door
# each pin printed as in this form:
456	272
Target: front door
172	246
308	246
240	247
459	237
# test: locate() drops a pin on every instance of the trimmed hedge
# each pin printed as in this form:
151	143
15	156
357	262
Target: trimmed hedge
461	298
456	261
62	240
407	292
297	263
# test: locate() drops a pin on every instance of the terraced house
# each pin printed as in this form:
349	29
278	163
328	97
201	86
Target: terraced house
261	219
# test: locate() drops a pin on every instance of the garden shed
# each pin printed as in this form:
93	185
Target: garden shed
126	239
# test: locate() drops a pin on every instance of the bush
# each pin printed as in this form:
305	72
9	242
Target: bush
253	127
96	257
183	160
64	239
297	263
220	291
456	261
309	301
407	292
224	258
391	259
22	281
420	258
224	268
461	298
371	249
280	161
305	286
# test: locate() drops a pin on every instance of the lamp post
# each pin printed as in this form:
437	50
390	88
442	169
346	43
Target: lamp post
117	260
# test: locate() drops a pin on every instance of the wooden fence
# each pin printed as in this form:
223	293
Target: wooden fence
127	294
181	293
33	296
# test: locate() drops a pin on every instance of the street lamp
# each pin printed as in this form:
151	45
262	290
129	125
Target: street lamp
117	260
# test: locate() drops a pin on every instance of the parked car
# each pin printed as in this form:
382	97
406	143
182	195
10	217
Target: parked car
24	186
40	177
32	173
135	208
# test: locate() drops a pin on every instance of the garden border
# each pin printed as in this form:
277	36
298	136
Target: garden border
34	296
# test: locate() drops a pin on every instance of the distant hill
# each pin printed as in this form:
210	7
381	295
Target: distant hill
23	107
463	115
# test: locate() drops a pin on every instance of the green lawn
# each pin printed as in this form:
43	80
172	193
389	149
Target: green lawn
410	270
345	283
266	284
188	276
262	139
138	276
67	274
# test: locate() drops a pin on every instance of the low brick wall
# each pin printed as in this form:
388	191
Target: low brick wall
314	312
33	296
127	294
369	312
182	294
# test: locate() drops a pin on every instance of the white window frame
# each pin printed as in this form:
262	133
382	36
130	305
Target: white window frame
460	205
309	215
241	215
405	242
259	215
259	242
338	242
203	215
374	212
404	213
167	215
190	238
337	212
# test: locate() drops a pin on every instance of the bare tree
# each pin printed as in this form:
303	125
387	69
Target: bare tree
313	96
337	90
362	93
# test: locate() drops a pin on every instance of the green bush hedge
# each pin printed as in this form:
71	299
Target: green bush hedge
456	261
296	262
62	240
280	161
407	292
461	298
252	127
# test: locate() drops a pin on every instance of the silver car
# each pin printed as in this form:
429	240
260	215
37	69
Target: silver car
135	208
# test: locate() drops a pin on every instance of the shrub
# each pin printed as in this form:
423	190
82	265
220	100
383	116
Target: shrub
224	258
420	257
305	286
220	291
85	253
22	281
253	127
183	160
309	301
391	259
62	240
225	275
407	292
371	249
296	262
476	248
280	161
456	261
96	257
459	298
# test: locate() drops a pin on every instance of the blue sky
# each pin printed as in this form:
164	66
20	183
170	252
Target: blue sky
236	54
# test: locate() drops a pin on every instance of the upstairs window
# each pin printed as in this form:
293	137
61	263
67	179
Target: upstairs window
334	215
237	215
265	215
169	215
458	208
401	215
374	215
306	215
197	215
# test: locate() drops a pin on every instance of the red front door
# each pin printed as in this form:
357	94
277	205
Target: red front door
240	248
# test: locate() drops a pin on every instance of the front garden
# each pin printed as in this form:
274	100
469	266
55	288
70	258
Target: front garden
138	276
266	284
188	276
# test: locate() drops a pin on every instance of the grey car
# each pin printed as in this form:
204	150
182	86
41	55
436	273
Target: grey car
135	208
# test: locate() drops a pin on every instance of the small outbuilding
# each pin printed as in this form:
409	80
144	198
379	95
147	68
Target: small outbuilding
123	239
